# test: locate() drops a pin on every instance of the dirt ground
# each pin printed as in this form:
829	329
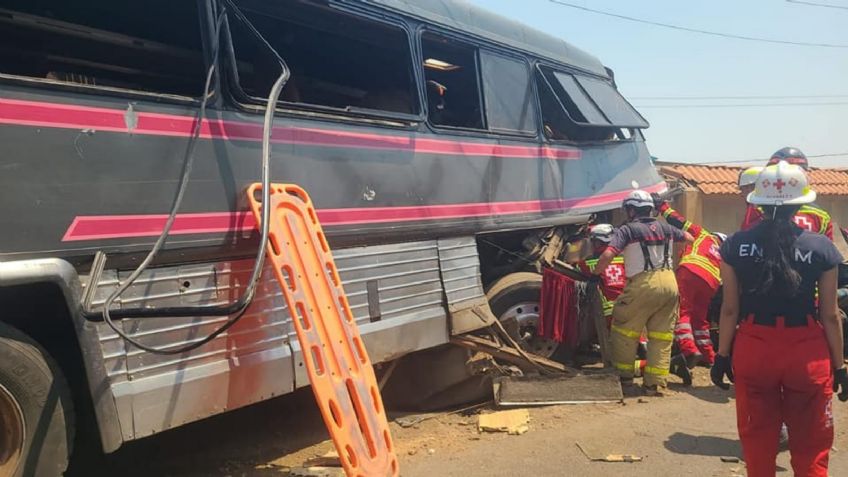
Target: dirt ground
687	432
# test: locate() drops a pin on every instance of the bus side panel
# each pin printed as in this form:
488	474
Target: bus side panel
395	292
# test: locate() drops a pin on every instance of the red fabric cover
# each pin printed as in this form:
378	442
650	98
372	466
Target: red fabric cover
558	317
783	375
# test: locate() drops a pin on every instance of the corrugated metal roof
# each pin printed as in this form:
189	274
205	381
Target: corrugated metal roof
463	16
722	179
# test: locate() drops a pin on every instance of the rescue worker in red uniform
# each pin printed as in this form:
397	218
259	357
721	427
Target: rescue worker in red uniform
787	354
809	216
613	280
698	279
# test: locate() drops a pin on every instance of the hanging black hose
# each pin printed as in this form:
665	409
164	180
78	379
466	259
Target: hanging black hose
239	306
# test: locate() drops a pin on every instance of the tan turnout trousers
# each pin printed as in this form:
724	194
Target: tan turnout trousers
650	300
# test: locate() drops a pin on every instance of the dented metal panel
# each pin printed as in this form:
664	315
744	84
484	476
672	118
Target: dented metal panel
460	265
259	357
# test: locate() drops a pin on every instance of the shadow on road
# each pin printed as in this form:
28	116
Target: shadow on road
235	443
688	444
710	446
711	394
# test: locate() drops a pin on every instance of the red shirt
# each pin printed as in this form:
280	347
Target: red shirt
701	257
809	217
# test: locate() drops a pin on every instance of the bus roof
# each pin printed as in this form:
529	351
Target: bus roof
463	16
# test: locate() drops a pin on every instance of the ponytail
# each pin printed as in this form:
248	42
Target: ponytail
778	240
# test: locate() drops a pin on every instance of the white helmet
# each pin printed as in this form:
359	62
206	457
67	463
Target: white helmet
638	198
601	232
720	236
749	176
782	184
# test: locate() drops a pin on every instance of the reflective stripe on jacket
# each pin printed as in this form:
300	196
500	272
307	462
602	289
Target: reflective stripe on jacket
702	257
809	217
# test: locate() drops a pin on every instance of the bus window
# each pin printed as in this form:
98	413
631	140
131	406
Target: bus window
508	94
453	90
152	46
337	60
581	108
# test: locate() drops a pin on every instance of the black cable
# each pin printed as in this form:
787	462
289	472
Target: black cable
695	30
239	306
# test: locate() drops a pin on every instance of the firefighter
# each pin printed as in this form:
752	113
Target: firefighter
613	279
650	297
787	355
698	279
809	216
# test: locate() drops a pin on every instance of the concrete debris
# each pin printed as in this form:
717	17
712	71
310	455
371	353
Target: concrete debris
411	420
330	459
431	451
730	459
317	472
602	457
514	422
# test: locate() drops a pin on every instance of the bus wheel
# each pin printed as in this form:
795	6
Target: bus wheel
36	416
514	300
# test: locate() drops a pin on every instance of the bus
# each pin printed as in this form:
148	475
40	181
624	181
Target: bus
448	152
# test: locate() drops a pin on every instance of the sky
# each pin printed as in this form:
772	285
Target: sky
651	61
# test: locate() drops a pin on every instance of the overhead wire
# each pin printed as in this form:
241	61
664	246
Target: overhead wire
738	105
760	159
822	5
696	30
705	98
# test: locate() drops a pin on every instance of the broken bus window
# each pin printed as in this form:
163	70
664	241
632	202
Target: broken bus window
337	60
152	46
583	108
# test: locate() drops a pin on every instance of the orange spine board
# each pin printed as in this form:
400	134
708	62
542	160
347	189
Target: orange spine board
337	363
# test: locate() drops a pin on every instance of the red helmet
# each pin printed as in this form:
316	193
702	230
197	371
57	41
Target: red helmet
792	155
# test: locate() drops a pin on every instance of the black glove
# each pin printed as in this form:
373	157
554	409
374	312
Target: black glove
721	368
840	383
658	200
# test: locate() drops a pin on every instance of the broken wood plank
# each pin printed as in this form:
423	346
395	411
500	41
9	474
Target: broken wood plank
550	390
595	309
509	354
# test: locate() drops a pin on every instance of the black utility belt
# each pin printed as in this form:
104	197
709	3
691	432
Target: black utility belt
795	321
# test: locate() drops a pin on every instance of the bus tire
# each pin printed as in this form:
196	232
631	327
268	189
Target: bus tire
36	411
514	300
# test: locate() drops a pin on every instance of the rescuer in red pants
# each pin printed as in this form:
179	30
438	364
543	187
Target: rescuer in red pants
787	355
698	279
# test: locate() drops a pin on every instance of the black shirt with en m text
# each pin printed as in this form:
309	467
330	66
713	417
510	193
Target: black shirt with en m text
813	254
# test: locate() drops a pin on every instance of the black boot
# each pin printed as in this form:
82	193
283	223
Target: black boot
692	361
679	367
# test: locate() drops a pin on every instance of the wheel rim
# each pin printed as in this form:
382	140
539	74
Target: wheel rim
12	433
522	320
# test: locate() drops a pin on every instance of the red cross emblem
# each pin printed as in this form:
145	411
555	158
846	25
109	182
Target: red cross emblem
804	222
615	276
779	184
